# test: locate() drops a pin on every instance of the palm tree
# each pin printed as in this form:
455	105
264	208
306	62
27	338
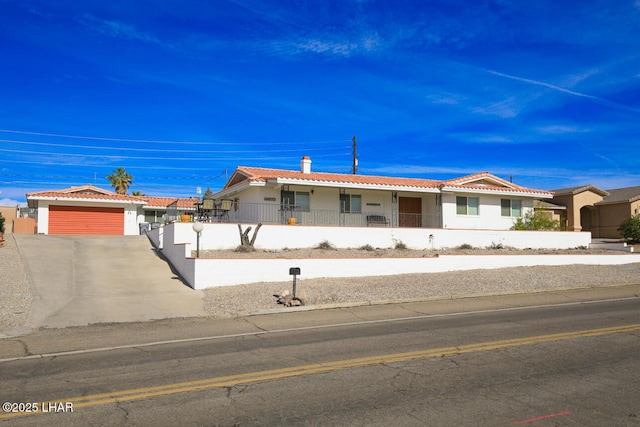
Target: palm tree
137	193
120	180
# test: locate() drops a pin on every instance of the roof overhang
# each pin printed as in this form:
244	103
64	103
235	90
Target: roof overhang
86	199
494	191
353	185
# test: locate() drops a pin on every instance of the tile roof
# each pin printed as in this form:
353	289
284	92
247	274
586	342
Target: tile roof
479	181
93	193
163	202
84	192
264	174
487	181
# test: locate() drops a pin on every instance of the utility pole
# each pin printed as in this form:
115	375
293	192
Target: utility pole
354	165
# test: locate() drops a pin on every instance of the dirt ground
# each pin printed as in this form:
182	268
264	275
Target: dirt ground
390	252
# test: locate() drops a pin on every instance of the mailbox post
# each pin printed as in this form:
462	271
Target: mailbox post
294	271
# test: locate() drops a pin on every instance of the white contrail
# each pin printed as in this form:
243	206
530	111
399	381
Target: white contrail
563	90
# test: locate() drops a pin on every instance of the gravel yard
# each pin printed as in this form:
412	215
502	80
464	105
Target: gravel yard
237	300
15	293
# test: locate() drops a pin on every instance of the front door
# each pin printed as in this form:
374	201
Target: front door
410	211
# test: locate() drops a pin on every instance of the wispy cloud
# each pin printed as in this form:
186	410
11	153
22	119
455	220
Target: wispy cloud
560	130
11	202
564	90
506	108
118	29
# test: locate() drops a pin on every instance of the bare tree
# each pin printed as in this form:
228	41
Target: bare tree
246	245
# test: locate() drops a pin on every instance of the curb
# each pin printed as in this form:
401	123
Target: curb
285	310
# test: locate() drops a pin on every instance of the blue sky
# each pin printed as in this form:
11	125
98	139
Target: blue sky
180	93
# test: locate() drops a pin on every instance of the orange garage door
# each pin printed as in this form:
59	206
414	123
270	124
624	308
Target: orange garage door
85	220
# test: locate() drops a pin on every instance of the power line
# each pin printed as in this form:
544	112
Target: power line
190	159
50	144
99	138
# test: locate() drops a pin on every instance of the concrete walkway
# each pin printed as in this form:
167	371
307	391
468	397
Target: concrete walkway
80	280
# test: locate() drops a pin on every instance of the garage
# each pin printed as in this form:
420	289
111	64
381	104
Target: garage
86	220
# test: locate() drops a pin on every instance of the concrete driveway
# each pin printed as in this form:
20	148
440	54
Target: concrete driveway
80	280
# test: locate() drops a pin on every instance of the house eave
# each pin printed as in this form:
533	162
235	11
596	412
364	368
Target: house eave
352	185
493	191
84	199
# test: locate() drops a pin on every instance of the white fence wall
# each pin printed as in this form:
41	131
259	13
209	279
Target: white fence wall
211	273
226	236
178	240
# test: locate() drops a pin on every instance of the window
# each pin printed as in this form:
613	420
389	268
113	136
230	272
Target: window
511	207
350	203
467	206
295	199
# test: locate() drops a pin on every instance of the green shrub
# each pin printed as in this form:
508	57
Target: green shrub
1	223
630	229
536	220
367	247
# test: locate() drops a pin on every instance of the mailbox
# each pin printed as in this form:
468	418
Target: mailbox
294	271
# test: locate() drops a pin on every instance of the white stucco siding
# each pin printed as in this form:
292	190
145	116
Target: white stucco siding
489	212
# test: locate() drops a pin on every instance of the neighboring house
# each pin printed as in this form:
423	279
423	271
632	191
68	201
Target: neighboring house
599	211
553	212
479	201
92	210
9	213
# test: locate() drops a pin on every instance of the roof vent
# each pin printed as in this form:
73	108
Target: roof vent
305	164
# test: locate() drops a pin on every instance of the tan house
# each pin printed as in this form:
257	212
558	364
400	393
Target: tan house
599	211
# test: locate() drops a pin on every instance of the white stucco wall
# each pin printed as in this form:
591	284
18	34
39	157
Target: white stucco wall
211	273
179	239
489	217
130	214
226	236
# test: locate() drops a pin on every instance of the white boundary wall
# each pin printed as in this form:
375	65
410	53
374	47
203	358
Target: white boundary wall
210	273
178	240
226	236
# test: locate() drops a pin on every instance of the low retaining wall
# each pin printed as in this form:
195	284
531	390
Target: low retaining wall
178	240
226	236
210	273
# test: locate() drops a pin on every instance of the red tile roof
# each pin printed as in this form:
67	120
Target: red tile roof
157	202
90	192
264	174
487	181
478	181
84	192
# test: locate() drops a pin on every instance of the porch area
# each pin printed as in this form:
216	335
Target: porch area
266	213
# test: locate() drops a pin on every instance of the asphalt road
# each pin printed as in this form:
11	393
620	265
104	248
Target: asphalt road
560	358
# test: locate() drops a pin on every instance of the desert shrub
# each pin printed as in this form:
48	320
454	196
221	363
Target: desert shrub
1	223
496	245
325	244
367	247
536	220
630	229
465	246
400	245
244	248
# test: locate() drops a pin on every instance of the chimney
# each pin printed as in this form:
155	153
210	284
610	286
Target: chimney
305	164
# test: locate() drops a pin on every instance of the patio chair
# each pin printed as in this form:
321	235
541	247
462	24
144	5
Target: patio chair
206	213
225	207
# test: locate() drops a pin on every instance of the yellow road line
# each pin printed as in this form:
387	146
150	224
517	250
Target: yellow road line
252	377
